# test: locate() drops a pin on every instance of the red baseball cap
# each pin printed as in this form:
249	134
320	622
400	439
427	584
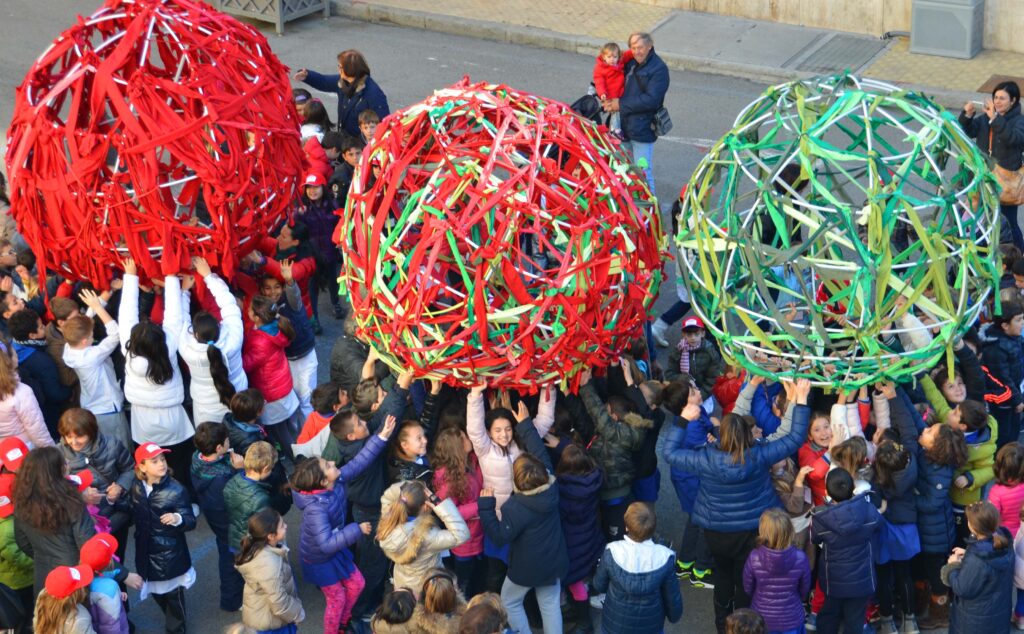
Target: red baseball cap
64	580
98	551
82	479
693	322
147	451
313	179
12	452
6	495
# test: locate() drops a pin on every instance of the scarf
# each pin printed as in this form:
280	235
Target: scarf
684	358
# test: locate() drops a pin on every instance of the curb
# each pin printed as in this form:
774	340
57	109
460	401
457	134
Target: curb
587	45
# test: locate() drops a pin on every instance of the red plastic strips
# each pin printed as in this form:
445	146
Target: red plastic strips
493	236
156	129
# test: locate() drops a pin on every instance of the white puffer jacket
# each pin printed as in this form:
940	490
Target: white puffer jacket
495	464
20	416
138	389
206	404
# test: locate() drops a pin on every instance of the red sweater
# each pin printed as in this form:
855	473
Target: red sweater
610	81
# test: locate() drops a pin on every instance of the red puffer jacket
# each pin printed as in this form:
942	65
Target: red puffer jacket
266	364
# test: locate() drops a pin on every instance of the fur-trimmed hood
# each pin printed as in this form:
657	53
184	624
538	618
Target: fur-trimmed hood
432	623
637	421
542	488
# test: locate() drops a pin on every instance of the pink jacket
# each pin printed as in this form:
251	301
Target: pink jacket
1008	500
495	464
466	505
20	416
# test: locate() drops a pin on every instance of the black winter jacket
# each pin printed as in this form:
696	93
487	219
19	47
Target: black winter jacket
107	459
37	370
1003	356
847	532
615	444
161	552
209	479
1007	138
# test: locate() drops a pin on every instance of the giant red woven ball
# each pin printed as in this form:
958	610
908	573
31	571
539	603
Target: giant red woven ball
503	239
158	129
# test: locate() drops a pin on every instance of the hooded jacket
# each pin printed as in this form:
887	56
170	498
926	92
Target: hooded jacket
688	484
641	586
733	495
848	533
531	524
467	505
982	585
325	537
20	416
209	477
777	582
49	550
416	547
579	505
264	360
424	622
243	497
16	568
615	444
39	371
1002	355
161	552
270	599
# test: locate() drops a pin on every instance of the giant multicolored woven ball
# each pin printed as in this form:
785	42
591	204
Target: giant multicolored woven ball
838	223
493	236
158	129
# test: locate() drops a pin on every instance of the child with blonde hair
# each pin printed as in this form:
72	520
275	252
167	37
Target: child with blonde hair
777	575
62	606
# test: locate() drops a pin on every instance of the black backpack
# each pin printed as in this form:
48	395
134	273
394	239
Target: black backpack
588	107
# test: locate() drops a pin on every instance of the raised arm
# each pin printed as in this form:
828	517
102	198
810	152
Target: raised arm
173	316
128	311
475	428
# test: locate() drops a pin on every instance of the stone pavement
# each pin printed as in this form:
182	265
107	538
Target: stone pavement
756	50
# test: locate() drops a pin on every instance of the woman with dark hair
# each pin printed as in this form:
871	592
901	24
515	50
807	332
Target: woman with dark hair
51	522
735	488
212	349
356	90
999	133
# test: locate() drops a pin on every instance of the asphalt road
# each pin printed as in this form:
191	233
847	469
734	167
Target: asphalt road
409	64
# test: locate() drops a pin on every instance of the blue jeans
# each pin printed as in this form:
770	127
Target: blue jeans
548	600
1010	213
231	582
643	151
676	312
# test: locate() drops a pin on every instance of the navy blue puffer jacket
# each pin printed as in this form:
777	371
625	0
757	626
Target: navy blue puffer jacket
578	503
161	552
646	85
641	586
982	587
733	495
847	532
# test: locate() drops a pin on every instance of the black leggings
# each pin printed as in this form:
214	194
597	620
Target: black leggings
730	552
895	588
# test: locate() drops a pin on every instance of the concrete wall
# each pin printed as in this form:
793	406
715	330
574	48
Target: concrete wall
872	17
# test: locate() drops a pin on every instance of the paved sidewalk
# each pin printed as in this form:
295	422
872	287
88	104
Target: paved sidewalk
761	51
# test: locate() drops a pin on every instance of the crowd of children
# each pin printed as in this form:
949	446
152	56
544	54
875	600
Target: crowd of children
425	508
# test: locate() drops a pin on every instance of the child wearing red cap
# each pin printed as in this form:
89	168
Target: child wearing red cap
317	212
105	600
697	356
163	514
62	605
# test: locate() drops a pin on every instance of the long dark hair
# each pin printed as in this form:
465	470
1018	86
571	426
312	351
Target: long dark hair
261	526
207	330
316	114
575	461
496	414
43	498
265	309
148	342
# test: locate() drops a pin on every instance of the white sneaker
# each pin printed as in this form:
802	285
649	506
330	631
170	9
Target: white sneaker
658	330
597	601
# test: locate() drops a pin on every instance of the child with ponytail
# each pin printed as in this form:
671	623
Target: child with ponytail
407	533
264	360
63	605
152	380
319	492
213	349
271	602
981	576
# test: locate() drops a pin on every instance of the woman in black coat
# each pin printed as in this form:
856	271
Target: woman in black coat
51	522
999	133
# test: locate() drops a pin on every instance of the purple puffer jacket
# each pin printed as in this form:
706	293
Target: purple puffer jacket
777	582
325	537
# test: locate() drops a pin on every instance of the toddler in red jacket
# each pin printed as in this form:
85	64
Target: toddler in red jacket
610	79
